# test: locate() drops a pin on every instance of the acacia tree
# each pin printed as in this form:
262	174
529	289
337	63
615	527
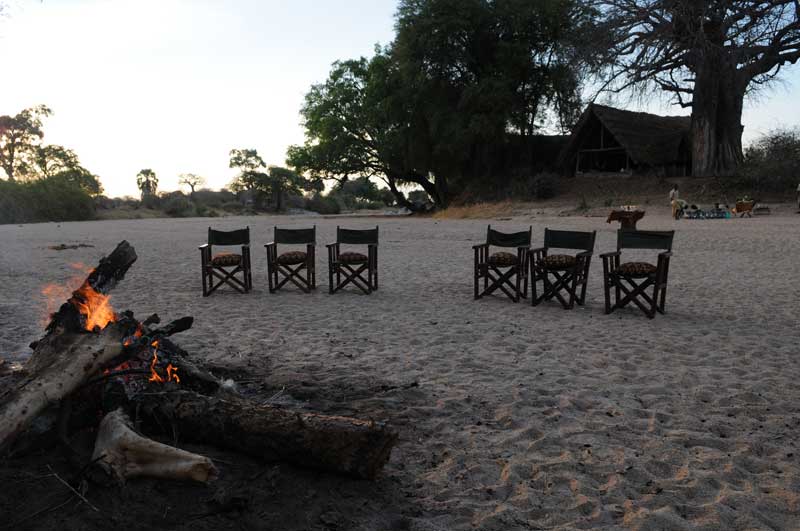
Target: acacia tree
147	182
352	129
57	162
708	54
191	180
19	136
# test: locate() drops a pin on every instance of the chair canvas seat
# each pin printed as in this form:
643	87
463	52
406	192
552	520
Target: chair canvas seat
226	259
558	262
503	259
636	269
353	258
292	258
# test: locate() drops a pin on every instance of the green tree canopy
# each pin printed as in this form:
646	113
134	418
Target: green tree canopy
272	184
436	108
58	162
19	136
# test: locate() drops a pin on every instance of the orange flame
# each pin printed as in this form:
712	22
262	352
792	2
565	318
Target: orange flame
129	341
56	294
94	306
171	369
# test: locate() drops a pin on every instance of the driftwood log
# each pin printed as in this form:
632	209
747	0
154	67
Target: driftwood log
345	445
126	454
92	359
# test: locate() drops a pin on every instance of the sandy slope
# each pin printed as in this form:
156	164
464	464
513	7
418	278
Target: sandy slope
523	418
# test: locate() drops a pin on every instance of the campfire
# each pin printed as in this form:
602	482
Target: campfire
94	359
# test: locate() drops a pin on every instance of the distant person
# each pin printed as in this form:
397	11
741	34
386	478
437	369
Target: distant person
674	201
798	197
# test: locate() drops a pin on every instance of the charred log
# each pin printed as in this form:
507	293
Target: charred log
101	280
339	444
60	364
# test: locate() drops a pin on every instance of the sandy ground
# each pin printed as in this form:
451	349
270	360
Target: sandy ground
512	417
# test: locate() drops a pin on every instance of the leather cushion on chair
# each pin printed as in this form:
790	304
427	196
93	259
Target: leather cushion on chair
636	269
352	258
503	259
559	261
226	259
292	258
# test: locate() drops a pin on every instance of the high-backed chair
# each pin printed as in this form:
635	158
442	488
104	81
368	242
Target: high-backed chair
348	267
503	270
562	272
632	279
297	267
225	266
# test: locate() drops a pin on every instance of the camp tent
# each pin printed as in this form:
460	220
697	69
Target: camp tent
606	139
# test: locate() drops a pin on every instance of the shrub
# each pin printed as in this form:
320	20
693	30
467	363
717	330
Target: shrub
323	204
543	185
233	207
44	200
772	163
176	205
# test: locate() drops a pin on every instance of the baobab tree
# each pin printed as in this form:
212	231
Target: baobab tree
191	180
708	54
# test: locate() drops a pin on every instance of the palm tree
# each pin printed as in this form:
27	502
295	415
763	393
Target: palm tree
147	182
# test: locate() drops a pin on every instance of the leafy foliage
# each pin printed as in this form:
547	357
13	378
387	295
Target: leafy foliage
271	185
48	199
19	136
435	109
772	163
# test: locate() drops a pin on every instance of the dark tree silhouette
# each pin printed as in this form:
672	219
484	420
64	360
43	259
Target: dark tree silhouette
708	54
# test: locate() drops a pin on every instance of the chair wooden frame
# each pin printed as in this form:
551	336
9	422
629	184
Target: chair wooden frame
514	280
226	274
353	271
564	279
292	272
629	288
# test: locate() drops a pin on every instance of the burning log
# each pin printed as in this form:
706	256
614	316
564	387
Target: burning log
60	364
98	360
125	454
339	444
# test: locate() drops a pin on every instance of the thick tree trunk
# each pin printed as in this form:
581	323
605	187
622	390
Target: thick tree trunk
339	444
716	118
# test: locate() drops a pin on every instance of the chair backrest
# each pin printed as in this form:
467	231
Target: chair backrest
296	236
233	237
510	239
569	239
356	236
645	239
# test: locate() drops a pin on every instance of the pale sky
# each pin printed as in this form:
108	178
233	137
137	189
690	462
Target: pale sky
174	85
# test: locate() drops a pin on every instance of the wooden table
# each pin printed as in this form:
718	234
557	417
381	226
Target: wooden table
627	218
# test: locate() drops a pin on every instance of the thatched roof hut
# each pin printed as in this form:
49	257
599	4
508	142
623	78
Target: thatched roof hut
612	140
